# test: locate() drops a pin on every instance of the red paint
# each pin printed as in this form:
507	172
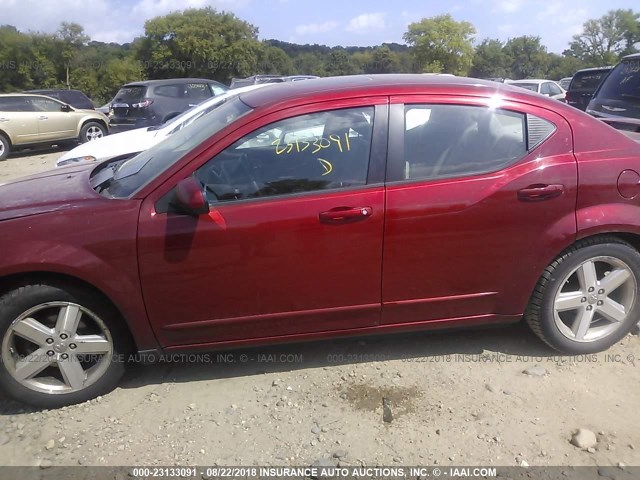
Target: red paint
430	254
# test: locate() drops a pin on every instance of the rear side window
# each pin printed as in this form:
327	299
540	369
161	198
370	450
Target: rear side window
319	151
588	81
16	104
458	140
623	82
175	91
131	94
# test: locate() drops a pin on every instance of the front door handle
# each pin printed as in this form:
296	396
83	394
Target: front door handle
340	215
538	192
43	117
3	119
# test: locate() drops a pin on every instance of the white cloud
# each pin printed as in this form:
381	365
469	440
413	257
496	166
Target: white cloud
366	22
508	6
314	28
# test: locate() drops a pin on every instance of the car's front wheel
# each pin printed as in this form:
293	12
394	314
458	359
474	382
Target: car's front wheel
5	147
92	131
587	299
60	345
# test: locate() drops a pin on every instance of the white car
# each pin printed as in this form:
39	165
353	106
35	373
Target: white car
548	88
140	139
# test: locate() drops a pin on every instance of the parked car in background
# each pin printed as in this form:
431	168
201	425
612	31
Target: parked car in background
153	102
28	120
544	87
564	82
140	139
75	98
258	79
583	84
618	96
365	214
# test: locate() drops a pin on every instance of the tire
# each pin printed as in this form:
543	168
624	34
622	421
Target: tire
44	371
92	131
5	147
575	308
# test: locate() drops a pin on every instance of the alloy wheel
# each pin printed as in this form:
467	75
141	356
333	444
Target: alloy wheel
57	348
595	299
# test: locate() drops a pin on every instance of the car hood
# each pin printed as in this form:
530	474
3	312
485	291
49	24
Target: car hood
111	146
46	192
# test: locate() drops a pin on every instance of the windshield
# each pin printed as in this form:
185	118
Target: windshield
133	174
623	82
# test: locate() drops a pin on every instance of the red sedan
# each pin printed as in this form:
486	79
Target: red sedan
336	206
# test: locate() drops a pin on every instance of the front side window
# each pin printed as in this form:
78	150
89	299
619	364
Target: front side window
459	140
318	151
46	105
196	92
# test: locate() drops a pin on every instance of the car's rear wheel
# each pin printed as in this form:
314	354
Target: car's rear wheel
587	299
5	147
60	345
92	131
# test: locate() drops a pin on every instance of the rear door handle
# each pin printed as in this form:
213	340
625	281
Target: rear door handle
340	215
3	119
538	192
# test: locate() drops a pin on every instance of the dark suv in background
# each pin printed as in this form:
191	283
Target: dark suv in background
153	102
617	99
583	84
75	98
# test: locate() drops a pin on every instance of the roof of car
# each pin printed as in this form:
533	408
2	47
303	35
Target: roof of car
26	94
633	56
594	69
42	90
168	81
530	80
382	84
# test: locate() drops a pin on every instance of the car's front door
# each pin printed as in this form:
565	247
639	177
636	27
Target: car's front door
481	197
293	241
53	122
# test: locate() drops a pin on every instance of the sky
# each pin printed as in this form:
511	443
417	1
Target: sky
328	22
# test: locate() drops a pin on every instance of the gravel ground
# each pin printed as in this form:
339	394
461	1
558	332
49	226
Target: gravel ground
486	397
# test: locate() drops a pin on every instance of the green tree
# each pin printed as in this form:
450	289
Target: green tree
491	60
603	40
560	66
442	44
199	42
339	63
73	39
273	60
528	58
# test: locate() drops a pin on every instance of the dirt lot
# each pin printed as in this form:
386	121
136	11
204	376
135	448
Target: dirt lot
458	398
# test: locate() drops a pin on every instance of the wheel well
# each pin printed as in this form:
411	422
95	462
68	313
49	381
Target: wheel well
11	282
92	120
630	238
5	135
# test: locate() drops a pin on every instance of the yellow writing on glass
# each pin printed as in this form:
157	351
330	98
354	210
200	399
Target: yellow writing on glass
328	168
340	142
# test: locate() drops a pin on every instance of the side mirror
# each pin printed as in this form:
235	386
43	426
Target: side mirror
65	108
189	197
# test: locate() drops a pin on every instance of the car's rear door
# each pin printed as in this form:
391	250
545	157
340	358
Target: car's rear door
18	119
481	196
293	242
